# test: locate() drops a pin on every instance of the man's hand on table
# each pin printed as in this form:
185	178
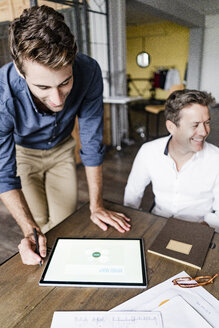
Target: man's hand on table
27	248
103	218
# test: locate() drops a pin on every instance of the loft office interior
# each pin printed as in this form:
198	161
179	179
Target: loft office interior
180	37
176	35
107	38
116	77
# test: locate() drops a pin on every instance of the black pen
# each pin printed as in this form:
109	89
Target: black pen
37	244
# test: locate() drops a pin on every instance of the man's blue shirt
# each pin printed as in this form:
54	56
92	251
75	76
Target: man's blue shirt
21	123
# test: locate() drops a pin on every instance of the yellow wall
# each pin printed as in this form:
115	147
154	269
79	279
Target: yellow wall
167	43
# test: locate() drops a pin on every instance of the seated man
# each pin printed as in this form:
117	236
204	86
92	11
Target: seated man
183	167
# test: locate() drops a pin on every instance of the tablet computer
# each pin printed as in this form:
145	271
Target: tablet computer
99	262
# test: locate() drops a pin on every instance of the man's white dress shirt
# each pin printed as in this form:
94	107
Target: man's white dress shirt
191	194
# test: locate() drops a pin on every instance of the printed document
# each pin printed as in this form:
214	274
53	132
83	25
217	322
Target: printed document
104	319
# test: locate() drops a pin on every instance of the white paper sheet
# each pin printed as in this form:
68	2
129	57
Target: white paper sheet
178	313
198	298
103	319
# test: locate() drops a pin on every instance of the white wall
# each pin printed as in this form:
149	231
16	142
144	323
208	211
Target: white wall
195	58
210	61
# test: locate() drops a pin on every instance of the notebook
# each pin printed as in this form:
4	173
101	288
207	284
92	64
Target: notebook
184	242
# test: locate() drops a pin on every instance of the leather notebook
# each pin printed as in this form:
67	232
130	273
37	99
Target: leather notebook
184	242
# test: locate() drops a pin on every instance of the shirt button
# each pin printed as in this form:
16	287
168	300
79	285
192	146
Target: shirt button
56	124
49	143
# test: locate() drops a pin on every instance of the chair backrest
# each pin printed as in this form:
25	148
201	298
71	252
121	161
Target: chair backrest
214	134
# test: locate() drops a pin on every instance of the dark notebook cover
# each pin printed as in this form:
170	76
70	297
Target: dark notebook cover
184	242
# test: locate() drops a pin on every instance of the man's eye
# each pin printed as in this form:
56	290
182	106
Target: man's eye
64	83
43	88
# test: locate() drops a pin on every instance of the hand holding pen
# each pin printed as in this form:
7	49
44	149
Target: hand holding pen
37	244
32	248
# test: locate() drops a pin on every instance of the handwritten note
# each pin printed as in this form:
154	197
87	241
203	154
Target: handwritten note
103	319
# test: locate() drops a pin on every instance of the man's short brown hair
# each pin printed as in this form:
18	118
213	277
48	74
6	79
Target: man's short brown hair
184	98
40	34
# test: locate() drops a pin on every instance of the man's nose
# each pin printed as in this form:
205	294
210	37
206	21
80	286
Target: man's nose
56	97
203	130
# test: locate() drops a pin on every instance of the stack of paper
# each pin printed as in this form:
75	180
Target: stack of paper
163	306
179	307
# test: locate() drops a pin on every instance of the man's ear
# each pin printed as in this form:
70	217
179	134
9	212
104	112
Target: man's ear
171	127
18	70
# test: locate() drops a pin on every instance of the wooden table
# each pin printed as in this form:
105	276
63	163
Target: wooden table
24	304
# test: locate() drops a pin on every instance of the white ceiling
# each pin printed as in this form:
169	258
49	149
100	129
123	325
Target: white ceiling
136	14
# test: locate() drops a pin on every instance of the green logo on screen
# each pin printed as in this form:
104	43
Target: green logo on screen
96	254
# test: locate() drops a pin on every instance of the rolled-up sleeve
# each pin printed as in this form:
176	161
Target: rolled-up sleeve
8	178
91	122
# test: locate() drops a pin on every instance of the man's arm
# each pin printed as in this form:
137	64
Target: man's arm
15	202
212	219
138	179
90	118
99	215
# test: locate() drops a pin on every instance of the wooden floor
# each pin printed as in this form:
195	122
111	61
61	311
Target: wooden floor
116	168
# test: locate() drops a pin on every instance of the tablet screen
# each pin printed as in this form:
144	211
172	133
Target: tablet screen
96	262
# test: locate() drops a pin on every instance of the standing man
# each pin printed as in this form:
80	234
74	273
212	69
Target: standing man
183	168
41	93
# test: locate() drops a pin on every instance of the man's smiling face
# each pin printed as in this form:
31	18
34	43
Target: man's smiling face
193	128
51	87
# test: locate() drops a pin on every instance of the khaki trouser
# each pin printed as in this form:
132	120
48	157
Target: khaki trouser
49	182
